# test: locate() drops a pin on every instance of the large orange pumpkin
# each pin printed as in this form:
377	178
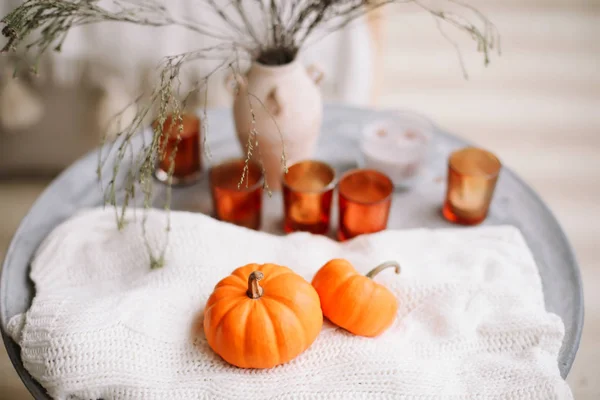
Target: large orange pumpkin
355	302
261	316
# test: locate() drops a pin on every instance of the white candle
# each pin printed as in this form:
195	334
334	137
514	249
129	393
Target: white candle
469	199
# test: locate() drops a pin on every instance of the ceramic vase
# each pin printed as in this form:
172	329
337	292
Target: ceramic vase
288	109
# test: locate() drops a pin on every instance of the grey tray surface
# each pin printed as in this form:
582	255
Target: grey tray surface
514	203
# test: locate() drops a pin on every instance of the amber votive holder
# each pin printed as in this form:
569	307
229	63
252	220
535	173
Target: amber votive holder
182	149
365	198
472	176
235	200
307	195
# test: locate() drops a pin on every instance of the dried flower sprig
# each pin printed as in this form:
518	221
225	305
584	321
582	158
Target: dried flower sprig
283	28
141	167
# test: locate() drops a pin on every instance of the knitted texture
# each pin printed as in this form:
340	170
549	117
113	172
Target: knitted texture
471	322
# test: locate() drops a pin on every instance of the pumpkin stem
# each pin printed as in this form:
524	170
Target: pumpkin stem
254	289
383	266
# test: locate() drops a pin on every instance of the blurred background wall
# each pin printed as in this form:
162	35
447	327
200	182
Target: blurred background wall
537	106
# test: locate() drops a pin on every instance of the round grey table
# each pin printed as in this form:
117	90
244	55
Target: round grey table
514	204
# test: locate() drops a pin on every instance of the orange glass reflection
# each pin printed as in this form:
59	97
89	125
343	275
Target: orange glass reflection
365	197
187	161
472	176
307	194
235	203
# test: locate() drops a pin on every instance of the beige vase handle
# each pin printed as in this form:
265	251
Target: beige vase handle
274	103
234	80
315	73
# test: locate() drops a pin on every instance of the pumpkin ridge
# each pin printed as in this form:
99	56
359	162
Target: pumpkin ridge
342	289
343	285
269	279
226	336
273	329
326	284
226	313
210	334
247	334
211	305
338	294
276	274
228	282
360	316
283	301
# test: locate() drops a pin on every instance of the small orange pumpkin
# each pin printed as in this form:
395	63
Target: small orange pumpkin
261	325
353	301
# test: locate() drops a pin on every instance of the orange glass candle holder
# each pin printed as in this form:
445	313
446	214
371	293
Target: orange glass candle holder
187	161
472	176
365	197
307	195
233	202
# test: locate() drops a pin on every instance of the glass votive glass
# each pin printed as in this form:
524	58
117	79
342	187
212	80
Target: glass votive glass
365	197
472	176
236	201
307	194
187	160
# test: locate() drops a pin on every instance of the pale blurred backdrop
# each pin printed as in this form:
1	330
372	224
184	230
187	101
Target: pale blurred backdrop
537	106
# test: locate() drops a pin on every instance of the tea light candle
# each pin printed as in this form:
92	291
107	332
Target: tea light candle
307	196
472	176
187	161
468	198
397	147
306	211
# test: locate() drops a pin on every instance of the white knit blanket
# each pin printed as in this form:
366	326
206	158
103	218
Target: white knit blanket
471	322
